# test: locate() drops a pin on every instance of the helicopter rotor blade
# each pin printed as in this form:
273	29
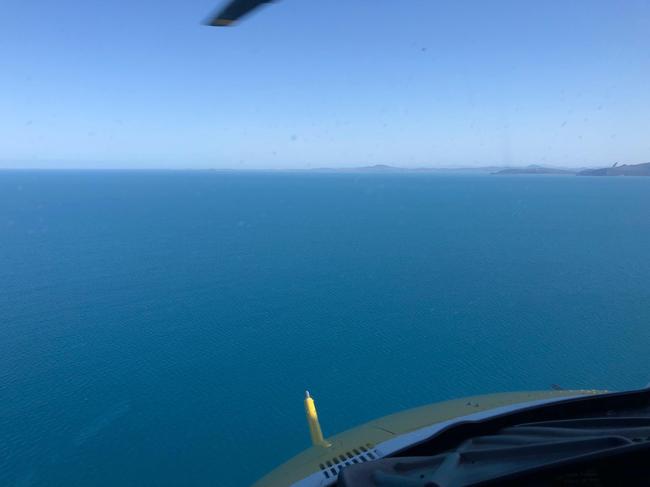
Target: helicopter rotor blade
233	11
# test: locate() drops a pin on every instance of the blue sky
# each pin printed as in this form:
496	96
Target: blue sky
309	83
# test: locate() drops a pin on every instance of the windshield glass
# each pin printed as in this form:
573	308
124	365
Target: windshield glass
390	204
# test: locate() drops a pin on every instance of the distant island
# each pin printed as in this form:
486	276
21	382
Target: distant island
534	169
385	168
622	170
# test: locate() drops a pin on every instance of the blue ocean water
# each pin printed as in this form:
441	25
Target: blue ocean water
159	328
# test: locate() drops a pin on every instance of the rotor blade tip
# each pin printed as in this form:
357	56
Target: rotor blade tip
219	22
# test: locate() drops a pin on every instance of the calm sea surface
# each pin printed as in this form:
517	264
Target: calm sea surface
160	328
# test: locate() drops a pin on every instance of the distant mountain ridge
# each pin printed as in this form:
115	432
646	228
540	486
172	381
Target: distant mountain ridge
386	168
622	170
534	169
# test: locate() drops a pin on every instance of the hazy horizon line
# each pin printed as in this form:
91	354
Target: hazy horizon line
378	166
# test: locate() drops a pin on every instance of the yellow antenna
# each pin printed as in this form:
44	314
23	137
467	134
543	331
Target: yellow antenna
314	426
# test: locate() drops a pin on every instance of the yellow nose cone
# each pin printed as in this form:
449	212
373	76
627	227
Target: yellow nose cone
312	420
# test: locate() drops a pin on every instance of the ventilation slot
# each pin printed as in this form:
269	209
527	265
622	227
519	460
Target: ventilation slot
331	468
